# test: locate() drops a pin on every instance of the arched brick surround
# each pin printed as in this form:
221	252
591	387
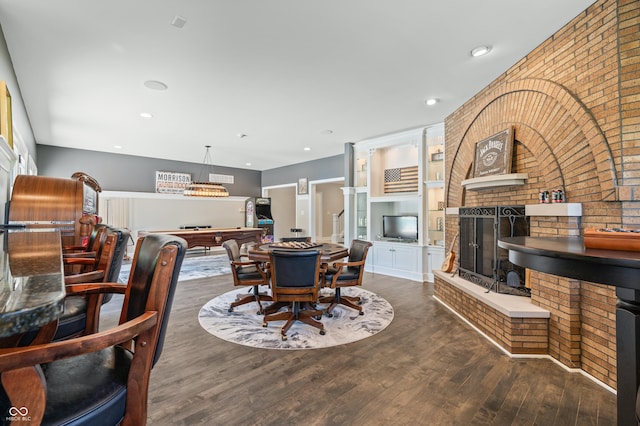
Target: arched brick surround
567	148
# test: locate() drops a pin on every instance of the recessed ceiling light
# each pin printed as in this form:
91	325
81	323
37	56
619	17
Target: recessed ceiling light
247	164
326	132
480	51
155	85
242	135
117	146
430	101
306	148
146	115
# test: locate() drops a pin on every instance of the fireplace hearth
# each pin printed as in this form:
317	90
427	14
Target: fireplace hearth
481	260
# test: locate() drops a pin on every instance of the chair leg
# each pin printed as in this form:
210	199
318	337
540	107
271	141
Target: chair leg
255	296
295	313
348	301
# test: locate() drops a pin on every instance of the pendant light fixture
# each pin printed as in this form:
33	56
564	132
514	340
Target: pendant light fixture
203	188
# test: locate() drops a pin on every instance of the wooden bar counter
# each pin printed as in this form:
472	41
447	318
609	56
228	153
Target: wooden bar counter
32	282
568	257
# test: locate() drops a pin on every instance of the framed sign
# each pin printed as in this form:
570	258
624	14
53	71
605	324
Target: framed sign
6	120
172	182
302	186
493	155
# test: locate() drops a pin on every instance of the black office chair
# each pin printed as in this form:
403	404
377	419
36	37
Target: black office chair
246	273
346	274
102	378
295	279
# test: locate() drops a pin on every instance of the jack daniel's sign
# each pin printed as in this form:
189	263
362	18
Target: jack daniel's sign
493	155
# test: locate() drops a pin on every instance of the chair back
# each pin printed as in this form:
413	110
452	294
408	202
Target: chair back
154	271
295	273
121	241
232	249
357	253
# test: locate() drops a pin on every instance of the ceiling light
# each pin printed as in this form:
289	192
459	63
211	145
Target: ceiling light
480	51
247	164
242	135
430	101
307	148
205	188
155	85
146	115
326	132
117	146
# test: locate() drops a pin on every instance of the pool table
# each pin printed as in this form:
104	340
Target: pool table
213	237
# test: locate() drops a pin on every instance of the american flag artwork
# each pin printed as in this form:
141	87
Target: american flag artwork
404	179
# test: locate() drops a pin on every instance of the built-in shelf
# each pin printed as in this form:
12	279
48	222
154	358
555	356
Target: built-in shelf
495	180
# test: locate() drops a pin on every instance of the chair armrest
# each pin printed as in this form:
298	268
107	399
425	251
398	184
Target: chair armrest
95	288
27	356
86	277
245	262
79	260
89	254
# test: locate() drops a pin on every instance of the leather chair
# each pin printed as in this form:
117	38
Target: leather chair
346	274
102	378
246	273
80	261
295	279
80	316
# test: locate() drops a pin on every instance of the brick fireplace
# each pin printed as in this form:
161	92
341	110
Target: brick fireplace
573	105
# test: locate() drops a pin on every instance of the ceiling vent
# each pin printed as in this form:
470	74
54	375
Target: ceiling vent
213	177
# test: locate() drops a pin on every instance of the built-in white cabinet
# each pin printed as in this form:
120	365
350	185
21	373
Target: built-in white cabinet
399	201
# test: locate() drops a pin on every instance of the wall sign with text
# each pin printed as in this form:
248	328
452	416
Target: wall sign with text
172	182
493	155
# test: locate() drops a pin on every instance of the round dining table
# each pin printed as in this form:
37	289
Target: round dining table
329	252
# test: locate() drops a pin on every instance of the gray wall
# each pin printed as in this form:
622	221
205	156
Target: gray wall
21	124
324	168
116	172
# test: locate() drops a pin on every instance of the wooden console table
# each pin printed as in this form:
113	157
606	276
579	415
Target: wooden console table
567	257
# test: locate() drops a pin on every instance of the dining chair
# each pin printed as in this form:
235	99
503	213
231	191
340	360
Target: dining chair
295	279
246	273
346	274
101	378
81	313
80	261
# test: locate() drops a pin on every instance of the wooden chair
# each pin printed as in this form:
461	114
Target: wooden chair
102	378
82	313
246	273
295	279
346	274
80	261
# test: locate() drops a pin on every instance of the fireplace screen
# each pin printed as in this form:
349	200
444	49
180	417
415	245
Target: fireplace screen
481	260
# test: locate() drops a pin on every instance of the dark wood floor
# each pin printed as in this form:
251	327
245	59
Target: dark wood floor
428	367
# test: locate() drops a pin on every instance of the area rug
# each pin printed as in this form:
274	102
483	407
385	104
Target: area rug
244	326
192	267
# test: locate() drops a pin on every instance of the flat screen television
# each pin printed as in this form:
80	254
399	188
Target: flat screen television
403	227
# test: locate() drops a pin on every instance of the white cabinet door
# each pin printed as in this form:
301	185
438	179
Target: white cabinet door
383	255
405	258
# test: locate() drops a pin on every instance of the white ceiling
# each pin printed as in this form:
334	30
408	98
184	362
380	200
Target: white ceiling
283	72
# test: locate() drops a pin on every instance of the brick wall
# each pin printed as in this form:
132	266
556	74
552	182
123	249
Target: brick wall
574	104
